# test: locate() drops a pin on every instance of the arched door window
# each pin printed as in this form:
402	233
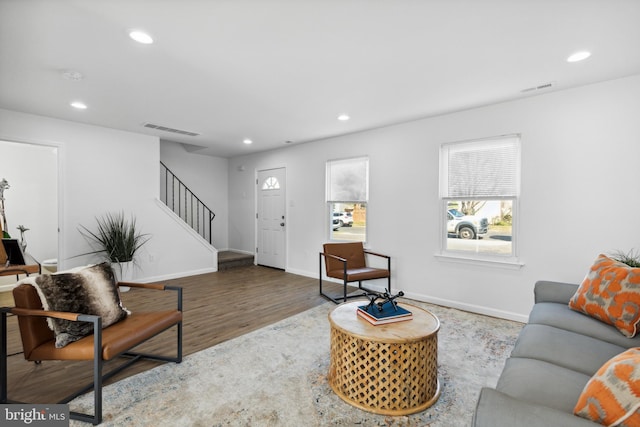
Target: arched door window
271	183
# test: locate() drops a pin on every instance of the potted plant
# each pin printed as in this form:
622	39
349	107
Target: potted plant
118	240
631	258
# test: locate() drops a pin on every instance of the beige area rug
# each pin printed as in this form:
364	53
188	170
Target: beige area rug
276	376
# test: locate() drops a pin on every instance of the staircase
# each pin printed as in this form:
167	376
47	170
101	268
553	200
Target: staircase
230	259
177	196
181	200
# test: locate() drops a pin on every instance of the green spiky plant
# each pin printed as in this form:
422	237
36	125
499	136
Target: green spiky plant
631	258
116	237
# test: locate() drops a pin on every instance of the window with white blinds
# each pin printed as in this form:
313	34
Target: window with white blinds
479	189
347	194
348	180
480	169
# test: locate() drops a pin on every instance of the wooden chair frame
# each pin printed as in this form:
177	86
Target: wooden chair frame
98	361
350	275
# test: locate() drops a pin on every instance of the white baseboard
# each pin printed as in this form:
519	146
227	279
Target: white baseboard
302	273
472	308
175	275
7	288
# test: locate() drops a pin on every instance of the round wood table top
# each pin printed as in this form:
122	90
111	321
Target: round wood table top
423	324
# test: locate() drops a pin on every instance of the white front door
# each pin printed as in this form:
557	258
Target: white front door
271	218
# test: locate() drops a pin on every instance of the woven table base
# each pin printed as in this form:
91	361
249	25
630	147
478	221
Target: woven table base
391	378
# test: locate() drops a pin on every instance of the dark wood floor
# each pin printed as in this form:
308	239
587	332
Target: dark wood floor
217	307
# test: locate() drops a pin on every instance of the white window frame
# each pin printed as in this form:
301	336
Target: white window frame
362	197
458	188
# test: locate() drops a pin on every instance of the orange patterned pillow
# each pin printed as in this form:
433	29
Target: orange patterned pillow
612	395
611	293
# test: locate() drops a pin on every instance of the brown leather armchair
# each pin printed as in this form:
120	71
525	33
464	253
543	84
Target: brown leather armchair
347	262
117	340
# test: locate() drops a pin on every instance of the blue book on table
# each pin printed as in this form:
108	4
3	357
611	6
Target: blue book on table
388	311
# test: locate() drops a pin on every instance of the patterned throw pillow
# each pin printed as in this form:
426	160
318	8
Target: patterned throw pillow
611	293
85	290
612	395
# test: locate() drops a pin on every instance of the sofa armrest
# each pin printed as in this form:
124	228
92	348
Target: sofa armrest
547	291
498	409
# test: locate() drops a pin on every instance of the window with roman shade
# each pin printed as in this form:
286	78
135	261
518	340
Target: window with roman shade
479	190
347	195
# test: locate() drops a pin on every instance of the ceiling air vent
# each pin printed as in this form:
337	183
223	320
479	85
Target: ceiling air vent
542	86
168	129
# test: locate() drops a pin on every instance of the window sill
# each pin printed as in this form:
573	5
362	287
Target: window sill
508	263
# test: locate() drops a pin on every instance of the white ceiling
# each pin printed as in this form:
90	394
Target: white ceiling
283	70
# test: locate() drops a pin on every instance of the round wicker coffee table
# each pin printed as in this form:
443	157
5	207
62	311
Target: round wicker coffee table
389	369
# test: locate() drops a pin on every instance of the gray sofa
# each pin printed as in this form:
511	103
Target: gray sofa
555	355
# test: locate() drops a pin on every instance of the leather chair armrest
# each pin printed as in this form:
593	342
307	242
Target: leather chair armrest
64	315
376	254
156	286
333	256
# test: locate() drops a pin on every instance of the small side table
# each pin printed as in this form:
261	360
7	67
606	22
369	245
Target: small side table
389	369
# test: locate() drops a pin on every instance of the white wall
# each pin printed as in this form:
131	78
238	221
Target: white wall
580	170
32	200
207	177
106	170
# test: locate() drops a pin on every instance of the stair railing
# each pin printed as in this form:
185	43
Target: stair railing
181	200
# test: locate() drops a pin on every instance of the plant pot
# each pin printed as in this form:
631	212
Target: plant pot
123	272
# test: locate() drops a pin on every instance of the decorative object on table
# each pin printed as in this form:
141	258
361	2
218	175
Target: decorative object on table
12	248
23	241
118	240
385	311
4	185
387	298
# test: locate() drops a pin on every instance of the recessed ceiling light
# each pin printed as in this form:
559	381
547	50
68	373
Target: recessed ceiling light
72	75
141	37
247	141
343	117
579	56
79	105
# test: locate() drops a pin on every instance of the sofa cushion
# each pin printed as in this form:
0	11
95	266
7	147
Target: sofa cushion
542	383
612	396
564	348
495	409
89	290
611	293
560	316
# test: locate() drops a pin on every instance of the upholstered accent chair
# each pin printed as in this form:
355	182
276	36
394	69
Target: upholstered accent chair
100	346
347	262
